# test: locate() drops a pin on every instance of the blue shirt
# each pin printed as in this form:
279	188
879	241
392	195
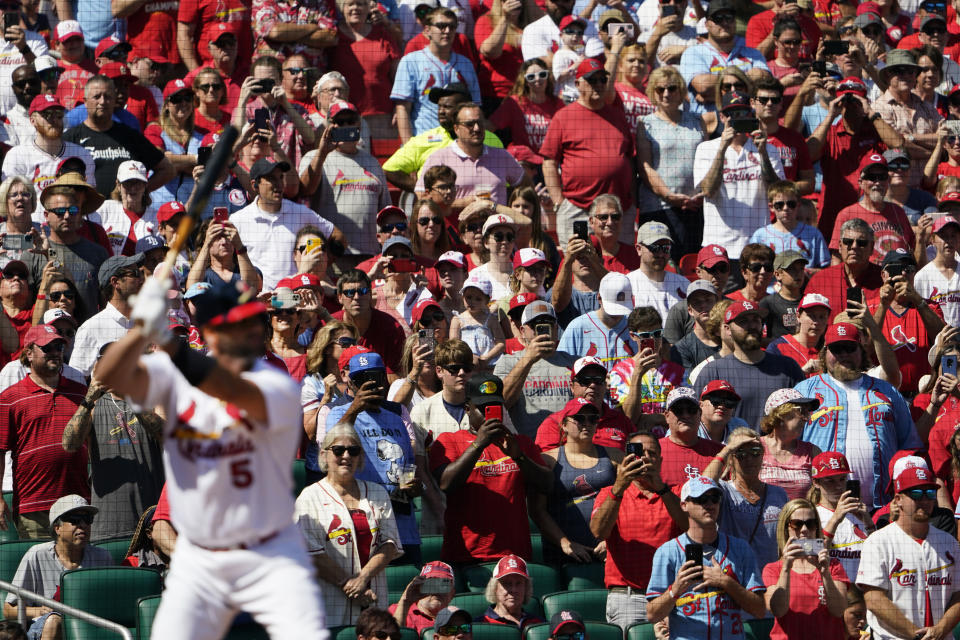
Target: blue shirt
804	239
586	335
79	113
420	71
701	615
704	58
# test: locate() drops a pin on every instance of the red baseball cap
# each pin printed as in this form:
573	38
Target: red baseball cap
572	19
151	50
511	565
41	335
339	107
422	307
914	478
174	87
904	459
301	280
43	102
387	210
111	42
737	309
719	385
575	406
953	90
841	332
117	71
168	210
588	67
829	463
852	84
868	7
711	255
437	569
521	300
950	196
871	160
938	224
527	257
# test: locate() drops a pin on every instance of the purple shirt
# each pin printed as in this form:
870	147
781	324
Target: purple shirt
489	174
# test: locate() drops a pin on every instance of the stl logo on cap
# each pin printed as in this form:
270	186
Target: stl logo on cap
565	615
362	361
304	280
48	328
921	473
841	331
523	298
834	463
717	251
488	388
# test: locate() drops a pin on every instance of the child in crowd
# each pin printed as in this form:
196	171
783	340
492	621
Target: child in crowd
566	59
787	233
477	325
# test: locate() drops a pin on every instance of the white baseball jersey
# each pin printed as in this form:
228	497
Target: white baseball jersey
40	167
121	228
918	577
229	479
847	543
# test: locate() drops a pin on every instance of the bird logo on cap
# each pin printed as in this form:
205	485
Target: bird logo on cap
717	251
565	615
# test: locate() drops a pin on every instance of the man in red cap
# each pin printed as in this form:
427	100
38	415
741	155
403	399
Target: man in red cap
419	604
841	147
35	412
937	281
717	403
713	265
908	570
855	269
891	228
77	68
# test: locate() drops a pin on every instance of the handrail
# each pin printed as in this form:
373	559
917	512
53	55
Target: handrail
97	621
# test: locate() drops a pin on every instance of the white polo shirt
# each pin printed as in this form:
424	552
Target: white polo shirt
107	326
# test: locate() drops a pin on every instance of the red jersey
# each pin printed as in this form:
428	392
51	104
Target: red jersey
788	345
494	494
32	420
385	336
642	525
613	429
73	80
141	104
908	337
891	229
808	607
681	463
526	120
153	27
946	425
945	169
760	26
496	75
206	14
794	154
626	259
840	162
832	283
513	345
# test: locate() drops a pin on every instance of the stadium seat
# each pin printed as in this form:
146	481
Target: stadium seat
398	577
116	546
430	547
10	555
589	603
595	631
109	592
758	629
536	543
641	631
146	612
299	477
688	266
483	631
583	576
546	579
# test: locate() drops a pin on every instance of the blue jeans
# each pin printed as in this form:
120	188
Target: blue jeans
36	627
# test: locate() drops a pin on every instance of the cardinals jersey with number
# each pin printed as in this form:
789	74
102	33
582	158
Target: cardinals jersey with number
228	476
123	227
933	286
919	577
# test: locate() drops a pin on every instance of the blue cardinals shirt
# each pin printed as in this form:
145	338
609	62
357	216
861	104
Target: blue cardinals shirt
419	72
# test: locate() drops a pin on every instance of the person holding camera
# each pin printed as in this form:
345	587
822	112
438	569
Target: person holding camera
806	589
704	579
424	597
485	472
634	516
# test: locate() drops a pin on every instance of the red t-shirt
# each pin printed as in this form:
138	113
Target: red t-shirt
153	27
72	81
32	420
832	283
945	169
808	608
513	345
141	104
162	512
908	337
493	495
205	125
946	425
761	25
681	463
626	259
594	151
613	430
205	14
635	104
526	120
891	229
794	154
496	75
416	619
642	525
367	63
842	153
385	336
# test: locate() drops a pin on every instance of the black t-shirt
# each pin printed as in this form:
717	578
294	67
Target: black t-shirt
110	148
781	318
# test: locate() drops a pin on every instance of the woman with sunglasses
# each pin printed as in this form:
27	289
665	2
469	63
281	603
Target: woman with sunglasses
349	529
282	339
178	138
787	459
322	384
499	235
806	589
419	378
931	73
525	113
756	269
211	91
750	507
59	293
428	232
666	145
785	67
471	233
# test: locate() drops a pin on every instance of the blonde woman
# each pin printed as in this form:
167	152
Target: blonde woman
629	85
178	138
787	459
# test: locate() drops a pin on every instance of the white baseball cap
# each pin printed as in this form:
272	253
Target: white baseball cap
131	170
498	220
536	309
44	62
527	257
52	315
616	294
478	282
814	300
69	503
65	30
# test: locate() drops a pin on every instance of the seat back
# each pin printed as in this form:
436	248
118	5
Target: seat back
582	576
758	629
299	476
591	604
483	631
641	631
398	577
11	553
108	592
146	612
430	547
117	548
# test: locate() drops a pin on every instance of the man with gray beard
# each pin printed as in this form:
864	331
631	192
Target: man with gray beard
757	372
864	418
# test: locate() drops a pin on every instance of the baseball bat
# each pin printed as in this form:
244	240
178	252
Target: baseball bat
218	160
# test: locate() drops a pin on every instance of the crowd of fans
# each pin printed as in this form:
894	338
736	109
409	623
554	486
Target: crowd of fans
675	283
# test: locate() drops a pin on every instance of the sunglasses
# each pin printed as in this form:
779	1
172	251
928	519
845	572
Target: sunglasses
56	295
800	524
445	26
572	32
454	629
471	124
346	341
756	267
720	18
670	88
843	348
922	494
536	75
210	86
586	381
722	401
586	418
393	226
659	248
769	99
597	79
656	334
951	140
730	86
424	221
711	497
792	42
77	519
62	211
296	71
338	450
26	82
846	30
473	227
457	369
282	312
875	177
789	204
720	267
752	452
182	98
53	347
603	217
351	293
684	409
931	31
898	166
13	274
499	236
849	242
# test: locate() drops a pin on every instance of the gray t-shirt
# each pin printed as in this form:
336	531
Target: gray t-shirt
127	466
753	382
758	521
690	351
81	261
40	569
678	323
546	389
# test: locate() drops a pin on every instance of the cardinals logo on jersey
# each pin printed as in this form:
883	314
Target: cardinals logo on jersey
592	351
582	486
430	82
336	531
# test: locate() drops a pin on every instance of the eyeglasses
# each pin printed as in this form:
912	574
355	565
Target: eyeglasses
711	497
586	381
670	88
454	629
769	99
445	26
338	450
603	217
282	312
798	524
76	519
659	248
922	494
446	187
350	293
182	98
296	71
756	267
846	30
457	369
572	32
500	236
597	79
849	242
875	177
792	42
471	124
333	90
656	334
752	452
473	227
62	211
684	409
722	401
393	226
427	321
720	18
843	348
425	220
210	86
12	195
586	418
536	75
54	296
346	341
730	86
898	166
789	204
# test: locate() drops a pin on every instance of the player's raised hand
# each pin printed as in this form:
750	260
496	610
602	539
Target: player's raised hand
150	309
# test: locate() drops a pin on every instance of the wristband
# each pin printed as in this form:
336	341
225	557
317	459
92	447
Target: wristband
474	445
41	296
720	460
827	535
194	366
670	591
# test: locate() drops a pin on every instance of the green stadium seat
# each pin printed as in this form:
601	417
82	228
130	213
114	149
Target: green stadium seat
641	631
10	555
595	631
398	577
483	631
546	579
117	548
9	534
758	629
109	592
430	548
536	544
589	603
299	476
146	612
583	576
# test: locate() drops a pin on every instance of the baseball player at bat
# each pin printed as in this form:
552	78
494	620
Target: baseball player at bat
232	429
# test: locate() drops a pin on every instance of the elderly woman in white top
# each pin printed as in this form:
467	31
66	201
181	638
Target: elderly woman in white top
349	530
